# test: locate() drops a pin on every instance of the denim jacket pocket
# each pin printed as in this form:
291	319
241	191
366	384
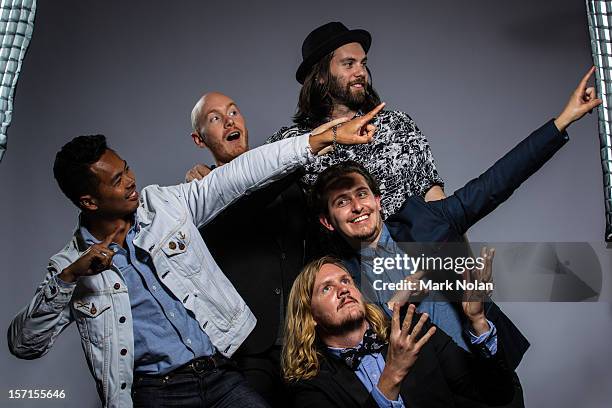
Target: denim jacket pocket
93	323
182	252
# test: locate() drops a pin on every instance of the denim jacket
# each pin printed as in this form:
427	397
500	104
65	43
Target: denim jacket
168	218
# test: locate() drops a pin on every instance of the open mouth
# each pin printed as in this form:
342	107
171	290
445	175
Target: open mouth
357	84
133	195
361	218
235	135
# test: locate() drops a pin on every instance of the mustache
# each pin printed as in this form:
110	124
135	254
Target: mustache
346	299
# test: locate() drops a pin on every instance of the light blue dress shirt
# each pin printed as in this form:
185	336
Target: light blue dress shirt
166	336
441	313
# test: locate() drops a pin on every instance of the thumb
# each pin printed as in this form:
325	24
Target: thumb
592	104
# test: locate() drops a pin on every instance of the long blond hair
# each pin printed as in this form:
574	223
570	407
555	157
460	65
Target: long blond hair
300	357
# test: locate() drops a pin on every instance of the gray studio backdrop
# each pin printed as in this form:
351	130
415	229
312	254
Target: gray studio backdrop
477	77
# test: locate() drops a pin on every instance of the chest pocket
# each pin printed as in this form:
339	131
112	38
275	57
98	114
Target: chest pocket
183	253
93	322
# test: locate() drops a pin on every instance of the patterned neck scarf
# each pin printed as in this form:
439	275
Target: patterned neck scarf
370	344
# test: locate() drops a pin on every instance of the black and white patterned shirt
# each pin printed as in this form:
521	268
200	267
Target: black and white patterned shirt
399	158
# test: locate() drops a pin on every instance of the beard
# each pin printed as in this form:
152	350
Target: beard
343	94
348	324
369	235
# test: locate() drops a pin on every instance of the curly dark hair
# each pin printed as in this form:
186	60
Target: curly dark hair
315	102
71	167
318	192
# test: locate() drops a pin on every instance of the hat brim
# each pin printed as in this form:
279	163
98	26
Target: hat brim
359	36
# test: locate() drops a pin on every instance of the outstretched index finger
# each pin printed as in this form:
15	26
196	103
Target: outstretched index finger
370	115
585	78
408	320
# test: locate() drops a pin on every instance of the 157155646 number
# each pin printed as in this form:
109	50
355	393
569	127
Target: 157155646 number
36	394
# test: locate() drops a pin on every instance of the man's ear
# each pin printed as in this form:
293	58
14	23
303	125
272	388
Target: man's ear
325	222
88	202
378	206
198	140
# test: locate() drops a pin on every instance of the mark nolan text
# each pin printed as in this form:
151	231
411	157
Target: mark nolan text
429	285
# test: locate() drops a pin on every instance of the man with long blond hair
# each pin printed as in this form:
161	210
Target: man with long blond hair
340	351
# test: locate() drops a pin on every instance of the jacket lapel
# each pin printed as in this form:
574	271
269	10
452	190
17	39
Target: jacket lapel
346	380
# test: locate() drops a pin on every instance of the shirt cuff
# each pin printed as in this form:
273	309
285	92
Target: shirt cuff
383	402
487	340
62	284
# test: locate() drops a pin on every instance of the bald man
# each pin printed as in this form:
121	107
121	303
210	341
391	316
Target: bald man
219	126
259	242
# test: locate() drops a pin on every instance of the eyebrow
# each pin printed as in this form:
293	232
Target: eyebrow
346	193
339	196
228	106
329	281
352	59
118	175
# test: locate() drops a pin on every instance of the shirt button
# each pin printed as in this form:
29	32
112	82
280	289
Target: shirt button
123	352
283	255
172	245
188	341
181	246
154	287
277	291
123	385
122	319
171	314
117	286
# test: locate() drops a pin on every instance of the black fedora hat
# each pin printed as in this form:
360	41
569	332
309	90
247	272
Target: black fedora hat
325	39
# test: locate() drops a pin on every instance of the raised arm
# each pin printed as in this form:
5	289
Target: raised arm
482	195
259	167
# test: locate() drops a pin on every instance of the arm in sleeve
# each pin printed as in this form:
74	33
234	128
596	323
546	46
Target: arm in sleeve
34	330
250	171
482	195
384	402
473	375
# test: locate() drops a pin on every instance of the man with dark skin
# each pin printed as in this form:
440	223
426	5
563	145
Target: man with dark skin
158	319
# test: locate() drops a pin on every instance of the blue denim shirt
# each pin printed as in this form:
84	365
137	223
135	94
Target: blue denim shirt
168	219
441	313
166	336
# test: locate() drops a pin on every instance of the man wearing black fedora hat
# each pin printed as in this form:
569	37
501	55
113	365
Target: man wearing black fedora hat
336	83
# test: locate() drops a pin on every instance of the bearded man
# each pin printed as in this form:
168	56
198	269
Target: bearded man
340	351
336	84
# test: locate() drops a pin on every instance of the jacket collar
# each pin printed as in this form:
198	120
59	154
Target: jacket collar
344	377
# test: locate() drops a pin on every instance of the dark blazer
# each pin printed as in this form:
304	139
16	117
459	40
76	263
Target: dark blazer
443	376
447	220
259	243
